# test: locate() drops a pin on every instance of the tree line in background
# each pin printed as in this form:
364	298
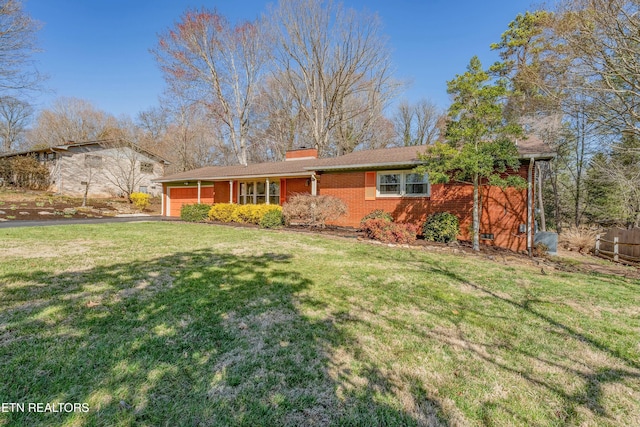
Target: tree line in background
316	74
575	79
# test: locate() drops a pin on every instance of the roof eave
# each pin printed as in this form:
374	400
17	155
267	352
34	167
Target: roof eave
232	177
538	156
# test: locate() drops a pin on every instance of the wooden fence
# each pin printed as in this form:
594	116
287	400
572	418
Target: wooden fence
619	245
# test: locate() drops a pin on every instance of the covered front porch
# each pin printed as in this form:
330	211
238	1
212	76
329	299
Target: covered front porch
243	190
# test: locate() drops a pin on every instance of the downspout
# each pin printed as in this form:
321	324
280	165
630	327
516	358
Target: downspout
530	207
199	191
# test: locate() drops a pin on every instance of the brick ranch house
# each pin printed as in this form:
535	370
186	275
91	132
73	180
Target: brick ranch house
106	166
365	181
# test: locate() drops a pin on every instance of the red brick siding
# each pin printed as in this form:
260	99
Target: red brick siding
302	153
502	210
298	185
222	192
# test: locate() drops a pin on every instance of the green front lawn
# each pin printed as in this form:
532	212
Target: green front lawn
187	324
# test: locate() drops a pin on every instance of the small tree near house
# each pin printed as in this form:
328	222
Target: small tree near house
123	166
92	166
479	143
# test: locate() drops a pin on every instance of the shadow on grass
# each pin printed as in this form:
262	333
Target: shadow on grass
194	338
594	375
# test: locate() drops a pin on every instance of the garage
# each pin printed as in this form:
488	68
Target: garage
179	196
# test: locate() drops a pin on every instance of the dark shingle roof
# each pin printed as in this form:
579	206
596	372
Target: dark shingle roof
374	159
212	173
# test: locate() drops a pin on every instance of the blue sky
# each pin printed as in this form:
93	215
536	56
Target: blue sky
98	50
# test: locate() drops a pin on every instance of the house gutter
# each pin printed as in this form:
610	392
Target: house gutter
364	166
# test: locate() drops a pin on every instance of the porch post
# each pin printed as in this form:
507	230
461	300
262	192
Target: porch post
230	191
266	190
314	185
162	196
199	192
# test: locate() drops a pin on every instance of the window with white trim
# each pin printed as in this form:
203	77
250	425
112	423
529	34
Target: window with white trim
399	183
255	193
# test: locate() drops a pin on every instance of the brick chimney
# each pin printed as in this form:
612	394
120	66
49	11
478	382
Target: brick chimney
302	154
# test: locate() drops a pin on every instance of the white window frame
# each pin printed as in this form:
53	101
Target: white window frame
252	199
403	184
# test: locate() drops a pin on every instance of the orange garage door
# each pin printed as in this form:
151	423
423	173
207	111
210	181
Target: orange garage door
187	196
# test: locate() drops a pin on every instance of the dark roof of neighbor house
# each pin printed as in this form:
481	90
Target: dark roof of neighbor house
384	158
72	144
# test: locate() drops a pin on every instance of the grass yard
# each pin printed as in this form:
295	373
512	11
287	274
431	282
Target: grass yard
233	326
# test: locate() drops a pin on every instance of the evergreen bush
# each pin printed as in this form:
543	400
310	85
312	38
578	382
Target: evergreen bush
195	213
272	219
441	227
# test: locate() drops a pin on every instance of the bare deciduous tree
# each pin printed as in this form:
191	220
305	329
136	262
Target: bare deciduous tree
154	123
602	38
279	125
17	44
69	119
122	165
14	116
207	60
336	66
417	124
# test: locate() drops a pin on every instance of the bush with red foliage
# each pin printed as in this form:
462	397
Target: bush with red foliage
389	232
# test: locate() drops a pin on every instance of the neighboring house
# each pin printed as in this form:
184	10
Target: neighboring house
107	167
365	181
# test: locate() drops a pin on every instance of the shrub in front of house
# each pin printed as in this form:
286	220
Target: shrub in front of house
195	213
313	211
140	200
24	172
272	219
378	213
441	227
252	214
244	214
389	232
222	212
